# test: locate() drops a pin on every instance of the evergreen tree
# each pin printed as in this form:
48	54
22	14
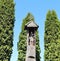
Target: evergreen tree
6	29
52	37
22	41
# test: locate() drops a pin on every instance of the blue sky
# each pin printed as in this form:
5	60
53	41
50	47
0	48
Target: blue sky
38	8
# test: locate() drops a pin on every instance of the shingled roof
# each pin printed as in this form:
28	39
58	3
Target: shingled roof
31	24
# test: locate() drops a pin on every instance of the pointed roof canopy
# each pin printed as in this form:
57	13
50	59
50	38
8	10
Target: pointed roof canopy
31	24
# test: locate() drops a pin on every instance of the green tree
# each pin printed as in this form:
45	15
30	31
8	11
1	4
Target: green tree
6	29
22	41
52	37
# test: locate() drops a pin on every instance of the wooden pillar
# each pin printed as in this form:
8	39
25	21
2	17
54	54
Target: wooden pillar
31	49
31	27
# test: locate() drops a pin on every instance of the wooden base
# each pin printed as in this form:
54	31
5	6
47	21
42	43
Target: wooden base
30	59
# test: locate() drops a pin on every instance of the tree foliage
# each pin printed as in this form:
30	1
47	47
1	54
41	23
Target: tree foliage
22	41
6	29
52	37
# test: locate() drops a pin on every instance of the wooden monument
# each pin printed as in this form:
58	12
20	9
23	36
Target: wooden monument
31	27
